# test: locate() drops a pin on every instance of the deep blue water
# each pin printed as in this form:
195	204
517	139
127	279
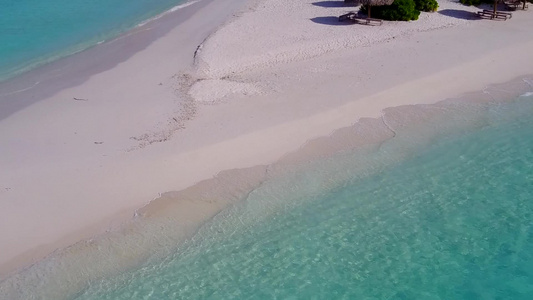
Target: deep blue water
34	32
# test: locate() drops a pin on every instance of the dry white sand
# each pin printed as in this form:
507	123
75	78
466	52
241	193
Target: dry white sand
279	74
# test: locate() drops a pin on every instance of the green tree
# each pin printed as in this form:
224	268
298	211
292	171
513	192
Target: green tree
426	5
400	10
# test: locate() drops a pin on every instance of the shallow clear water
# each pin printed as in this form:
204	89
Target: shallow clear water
33	32
451	220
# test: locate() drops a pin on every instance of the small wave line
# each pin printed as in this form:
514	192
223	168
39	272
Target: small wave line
21	90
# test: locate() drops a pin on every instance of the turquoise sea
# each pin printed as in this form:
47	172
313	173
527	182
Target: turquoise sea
442	210
36	32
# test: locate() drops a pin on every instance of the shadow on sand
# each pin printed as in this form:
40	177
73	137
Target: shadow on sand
338	3
332	20
459	14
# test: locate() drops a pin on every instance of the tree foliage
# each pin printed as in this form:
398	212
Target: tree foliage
426	5
400	10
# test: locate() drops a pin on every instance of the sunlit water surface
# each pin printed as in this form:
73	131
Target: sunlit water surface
453	220
33	32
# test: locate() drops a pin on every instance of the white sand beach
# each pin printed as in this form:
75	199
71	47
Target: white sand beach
81	149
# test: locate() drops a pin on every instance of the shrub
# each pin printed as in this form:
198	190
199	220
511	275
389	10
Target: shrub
426	5
400	10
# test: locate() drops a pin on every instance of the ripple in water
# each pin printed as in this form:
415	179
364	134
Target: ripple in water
441	211
452	221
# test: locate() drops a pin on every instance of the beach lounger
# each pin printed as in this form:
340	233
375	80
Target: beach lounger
511	5
368	21
515	4
353	17
489	14
508	15
347	17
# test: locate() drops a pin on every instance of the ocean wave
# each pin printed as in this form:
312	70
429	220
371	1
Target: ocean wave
21	90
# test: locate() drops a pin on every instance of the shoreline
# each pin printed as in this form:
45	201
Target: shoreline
76	68
187	27
201	156
127	28
171	220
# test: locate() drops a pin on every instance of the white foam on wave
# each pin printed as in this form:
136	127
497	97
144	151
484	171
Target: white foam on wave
528	94
173	9
21	90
